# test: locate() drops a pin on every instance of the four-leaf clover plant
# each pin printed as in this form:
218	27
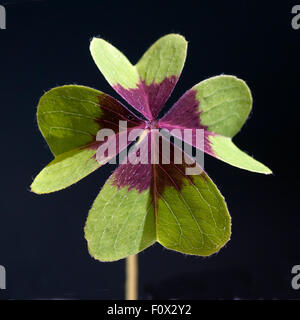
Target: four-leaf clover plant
142	203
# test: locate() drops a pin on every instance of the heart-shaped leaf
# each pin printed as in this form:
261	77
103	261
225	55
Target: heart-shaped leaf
142	203
220	106
69	118
147	85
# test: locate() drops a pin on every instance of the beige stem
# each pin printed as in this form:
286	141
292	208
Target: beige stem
131	290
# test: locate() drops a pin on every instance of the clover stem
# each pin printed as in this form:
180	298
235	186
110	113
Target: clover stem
131	287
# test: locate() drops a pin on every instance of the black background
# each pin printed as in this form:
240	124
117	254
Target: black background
42	244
